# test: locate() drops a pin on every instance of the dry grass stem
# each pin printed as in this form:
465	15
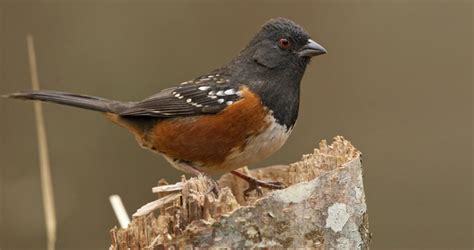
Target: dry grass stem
45	169
119	210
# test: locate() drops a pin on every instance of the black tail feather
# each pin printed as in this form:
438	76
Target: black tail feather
70	99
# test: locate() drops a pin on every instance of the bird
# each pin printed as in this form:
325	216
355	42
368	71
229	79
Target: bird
236	115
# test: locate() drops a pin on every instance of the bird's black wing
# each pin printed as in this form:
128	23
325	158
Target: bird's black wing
205	95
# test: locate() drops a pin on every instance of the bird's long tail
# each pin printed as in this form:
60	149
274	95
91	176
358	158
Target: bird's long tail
70	99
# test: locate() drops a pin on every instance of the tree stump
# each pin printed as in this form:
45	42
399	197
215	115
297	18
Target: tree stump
322	207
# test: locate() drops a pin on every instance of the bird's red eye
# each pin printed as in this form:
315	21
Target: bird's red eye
284	43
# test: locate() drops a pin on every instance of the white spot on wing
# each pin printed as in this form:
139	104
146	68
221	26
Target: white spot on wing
229	102
189	100
229	92
204	88
220	100
220	93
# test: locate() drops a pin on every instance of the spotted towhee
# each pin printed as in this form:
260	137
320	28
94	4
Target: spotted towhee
236	115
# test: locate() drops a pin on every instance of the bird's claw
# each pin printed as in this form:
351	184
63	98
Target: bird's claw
213	186
256	185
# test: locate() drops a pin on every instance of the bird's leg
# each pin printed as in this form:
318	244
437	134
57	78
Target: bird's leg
214	186
188	168
255	184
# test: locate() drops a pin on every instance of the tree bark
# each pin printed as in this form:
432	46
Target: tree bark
322	207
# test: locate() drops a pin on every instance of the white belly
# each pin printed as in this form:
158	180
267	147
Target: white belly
259	147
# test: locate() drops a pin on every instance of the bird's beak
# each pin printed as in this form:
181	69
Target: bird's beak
311	49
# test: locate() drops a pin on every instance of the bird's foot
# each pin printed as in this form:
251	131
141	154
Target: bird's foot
187	166
213	185
255	184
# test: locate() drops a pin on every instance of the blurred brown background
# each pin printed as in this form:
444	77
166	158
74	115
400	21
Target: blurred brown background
397	82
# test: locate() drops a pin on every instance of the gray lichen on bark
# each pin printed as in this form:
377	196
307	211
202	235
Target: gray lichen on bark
323	207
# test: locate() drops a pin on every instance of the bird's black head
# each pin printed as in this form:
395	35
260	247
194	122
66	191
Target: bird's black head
273	64
282	44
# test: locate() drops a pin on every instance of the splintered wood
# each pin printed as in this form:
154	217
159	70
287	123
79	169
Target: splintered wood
323	206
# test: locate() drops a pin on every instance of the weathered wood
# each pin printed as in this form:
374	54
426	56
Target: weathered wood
150	207
323	207
168	188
